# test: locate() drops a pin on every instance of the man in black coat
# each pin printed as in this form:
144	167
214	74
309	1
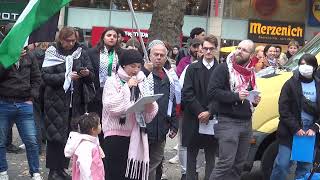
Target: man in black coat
229	87
199	111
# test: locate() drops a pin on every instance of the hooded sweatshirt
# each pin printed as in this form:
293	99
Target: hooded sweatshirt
86	157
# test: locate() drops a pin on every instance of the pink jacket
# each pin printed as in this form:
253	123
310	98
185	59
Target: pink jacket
116	101
86	157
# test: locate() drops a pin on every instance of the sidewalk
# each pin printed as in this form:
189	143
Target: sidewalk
18	165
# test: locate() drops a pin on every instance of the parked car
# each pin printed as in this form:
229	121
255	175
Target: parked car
265	120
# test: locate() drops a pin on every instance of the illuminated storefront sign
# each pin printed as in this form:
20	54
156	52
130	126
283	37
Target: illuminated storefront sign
10	11
275	32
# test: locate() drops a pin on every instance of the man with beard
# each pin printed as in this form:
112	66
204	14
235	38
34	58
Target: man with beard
229	87
193	49
198	33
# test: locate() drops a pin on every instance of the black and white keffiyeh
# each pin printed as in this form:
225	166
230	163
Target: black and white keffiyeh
175	88
107	58
53	58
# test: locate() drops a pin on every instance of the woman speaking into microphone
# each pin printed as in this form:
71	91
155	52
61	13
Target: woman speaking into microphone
125	145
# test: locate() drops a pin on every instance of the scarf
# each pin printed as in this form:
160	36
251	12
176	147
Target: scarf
138	153
272	63
108	64
175	88
241	78
53	58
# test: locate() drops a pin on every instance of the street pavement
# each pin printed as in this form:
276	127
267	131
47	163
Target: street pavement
18	165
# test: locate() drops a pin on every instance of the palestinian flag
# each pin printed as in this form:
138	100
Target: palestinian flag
33	16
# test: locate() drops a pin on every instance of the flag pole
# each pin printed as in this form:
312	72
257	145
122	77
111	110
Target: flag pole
110	9
146	58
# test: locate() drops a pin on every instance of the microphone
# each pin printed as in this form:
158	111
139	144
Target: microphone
132	90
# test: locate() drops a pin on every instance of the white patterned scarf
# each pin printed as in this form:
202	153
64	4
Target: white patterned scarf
237	80
108	65
53	58
174	92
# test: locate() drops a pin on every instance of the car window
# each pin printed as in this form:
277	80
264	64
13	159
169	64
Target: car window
312	47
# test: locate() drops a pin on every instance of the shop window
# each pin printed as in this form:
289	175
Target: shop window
198	7
138	5
194	7
236	9
276	10
104	4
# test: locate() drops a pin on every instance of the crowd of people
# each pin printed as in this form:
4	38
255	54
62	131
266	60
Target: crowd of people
272	56
74	100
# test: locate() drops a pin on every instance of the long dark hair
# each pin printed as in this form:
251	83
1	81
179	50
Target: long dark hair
100	45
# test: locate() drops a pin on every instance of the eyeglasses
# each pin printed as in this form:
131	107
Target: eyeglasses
205	49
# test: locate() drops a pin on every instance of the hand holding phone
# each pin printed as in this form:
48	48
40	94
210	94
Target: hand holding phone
83	72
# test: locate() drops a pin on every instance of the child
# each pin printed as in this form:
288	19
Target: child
85	149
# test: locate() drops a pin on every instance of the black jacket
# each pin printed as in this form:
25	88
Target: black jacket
290	107
228	103
39	55
57	101
20	84
195	101
160	125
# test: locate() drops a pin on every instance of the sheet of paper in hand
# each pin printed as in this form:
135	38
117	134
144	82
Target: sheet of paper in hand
207	128
138	106
252	95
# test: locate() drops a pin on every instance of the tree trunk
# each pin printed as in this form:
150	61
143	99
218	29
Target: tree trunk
167	21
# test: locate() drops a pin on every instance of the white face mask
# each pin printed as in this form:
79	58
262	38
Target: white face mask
306	70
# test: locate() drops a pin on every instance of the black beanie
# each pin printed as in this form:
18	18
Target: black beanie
130	56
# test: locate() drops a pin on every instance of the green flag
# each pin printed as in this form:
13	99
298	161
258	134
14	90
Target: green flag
36	13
